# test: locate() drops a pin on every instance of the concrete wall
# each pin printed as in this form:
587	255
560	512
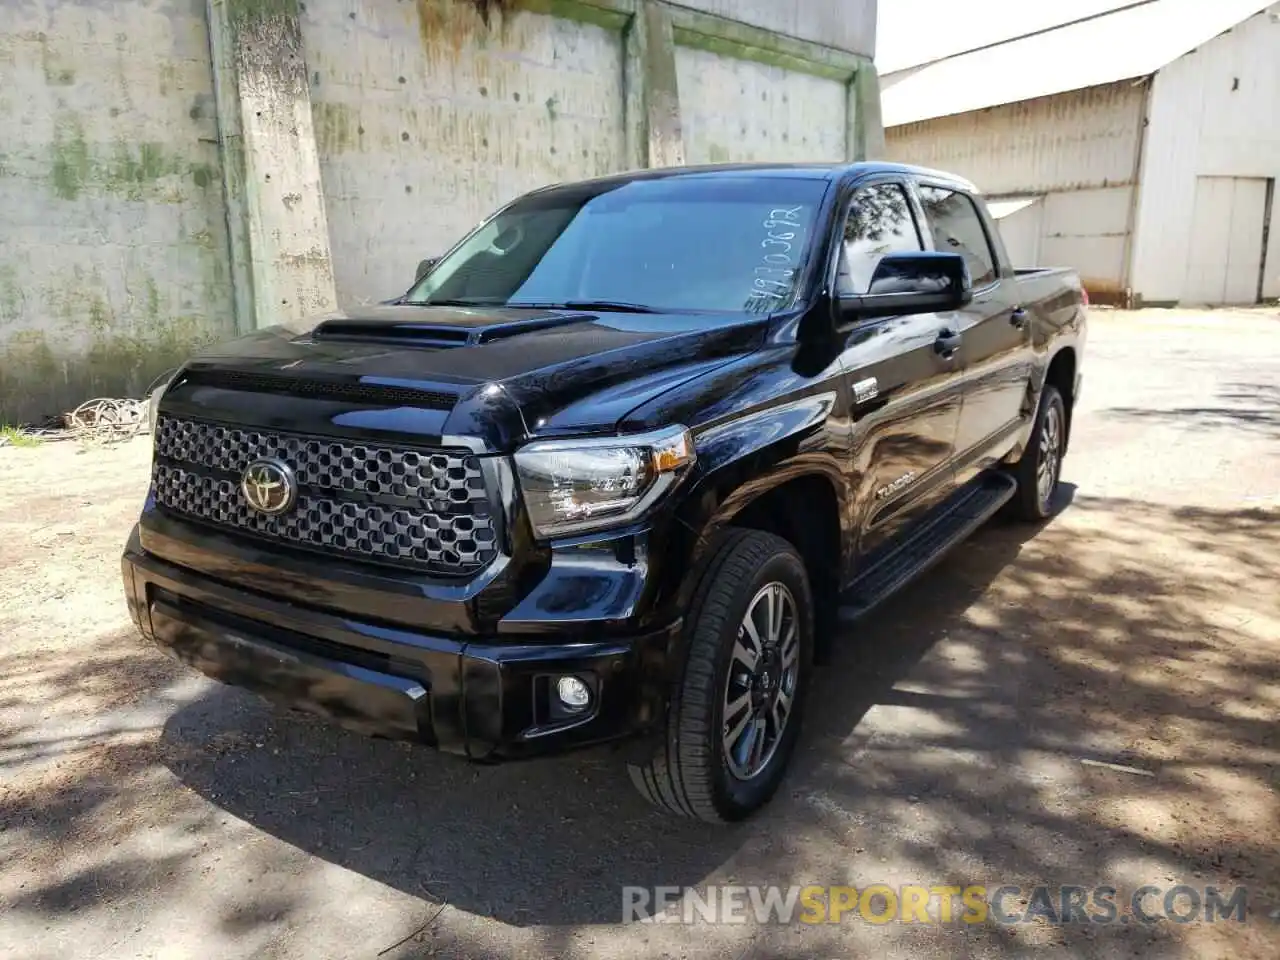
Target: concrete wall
112	228
1213	114
426	121
1078	151
843	24
184	169
429	115
739	110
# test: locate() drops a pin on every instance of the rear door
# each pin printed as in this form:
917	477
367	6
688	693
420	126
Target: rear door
905	391
995	329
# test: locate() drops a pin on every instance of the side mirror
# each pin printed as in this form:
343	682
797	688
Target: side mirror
424	267
908	283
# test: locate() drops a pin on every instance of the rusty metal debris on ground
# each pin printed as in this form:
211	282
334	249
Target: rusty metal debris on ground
106	420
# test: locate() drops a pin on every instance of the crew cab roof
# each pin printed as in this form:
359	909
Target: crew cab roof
791	171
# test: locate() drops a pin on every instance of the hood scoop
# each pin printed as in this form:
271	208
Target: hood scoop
436	335
382	331
367	390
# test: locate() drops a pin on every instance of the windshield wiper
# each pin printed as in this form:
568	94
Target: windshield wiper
616	306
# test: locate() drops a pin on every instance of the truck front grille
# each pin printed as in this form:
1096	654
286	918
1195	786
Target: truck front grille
428	509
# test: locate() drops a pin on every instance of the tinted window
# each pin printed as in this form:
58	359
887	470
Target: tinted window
680	243
957	229
879	222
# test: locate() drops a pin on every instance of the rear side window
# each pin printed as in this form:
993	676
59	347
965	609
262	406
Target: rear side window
957	229
880	221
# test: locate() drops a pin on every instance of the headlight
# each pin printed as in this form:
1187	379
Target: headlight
574	486
153	400
153	409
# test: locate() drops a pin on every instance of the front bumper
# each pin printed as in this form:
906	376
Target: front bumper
487	699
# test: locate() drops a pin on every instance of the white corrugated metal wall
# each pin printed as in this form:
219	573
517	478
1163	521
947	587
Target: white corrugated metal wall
1213	115
1077	150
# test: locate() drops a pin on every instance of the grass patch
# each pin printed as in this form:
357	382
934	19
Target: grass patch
17	437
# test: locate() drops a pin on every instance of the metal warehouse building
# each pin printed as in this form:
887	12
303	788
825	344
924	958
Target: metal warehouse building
1141	146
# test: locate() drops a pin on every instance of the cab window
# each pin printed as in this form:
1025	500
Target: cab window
957	228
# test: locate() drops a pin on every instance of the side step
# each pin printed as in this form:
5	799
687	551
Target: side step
954	521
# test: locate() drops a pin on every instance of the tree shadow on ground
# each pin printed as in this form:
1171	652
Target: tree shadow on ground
960	735
1252	408
506	842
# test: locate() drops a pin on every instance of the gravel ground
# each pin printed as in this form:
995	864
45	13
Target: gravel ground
1093	702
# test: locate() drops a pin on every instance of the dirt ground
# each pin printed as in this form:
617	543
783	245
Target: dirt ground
1091	702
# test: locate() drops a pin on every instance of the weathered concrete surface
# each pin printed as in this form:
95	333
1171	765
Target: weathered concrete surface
865	124
429	115
843	24
188	169
427	119
738	110
112	249
268	140
658	77
956	738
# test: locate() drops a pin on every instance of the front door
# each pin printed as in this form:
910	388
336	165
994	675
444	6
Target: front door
904	385
995	331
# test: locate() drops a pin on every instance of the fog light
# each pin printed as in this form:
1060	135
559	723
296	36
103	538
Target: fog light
574	695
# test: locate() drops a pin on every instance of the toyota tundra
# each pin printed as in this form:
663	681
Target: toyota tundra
620	466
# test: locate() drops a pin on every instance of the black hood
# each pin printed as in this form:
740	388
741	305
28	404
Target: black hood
497	374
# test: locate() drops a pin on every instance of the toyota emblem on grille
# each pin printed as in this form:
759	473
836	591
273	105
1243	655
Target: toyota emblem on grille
268	486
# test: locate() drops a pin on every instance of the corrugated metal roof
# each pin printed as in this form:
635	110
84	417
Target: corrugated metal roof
1128	43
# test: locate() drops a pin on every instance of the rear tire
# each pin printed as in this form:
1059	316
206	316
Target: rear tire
731	725
1039	469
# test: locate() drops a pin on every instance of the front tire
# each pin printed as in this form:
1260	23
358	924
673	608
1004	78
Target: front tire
735	712
1039	469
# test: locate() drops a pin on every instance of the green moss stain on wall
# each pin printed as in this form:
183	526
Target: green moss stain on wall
252	12
337	127
609	14
28	368
71	166
12	298
137	171
39	379
57	71
203	175
118	267
90	344
133	170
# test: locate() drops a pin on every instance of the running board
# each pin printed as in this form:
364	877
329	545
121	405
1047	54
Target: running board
955	520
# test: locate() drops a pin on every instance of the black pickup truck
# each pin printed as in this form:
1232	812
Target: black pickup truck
617	467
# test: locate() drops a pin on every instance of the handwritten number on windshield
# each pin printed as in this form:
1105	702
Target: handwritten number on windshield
774	278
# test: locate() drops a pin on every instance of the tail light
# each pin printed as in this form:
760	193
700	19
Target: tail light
1084	296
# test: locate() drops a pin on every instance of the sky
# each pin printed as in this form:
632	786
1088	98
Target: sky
914	31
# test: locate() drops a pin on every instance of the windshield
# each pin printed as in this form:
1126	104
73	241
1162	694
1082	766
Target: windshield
677	244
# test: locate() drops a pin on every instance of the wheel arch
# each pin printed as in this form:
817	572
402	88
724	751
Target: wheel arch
801	501
1061	374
